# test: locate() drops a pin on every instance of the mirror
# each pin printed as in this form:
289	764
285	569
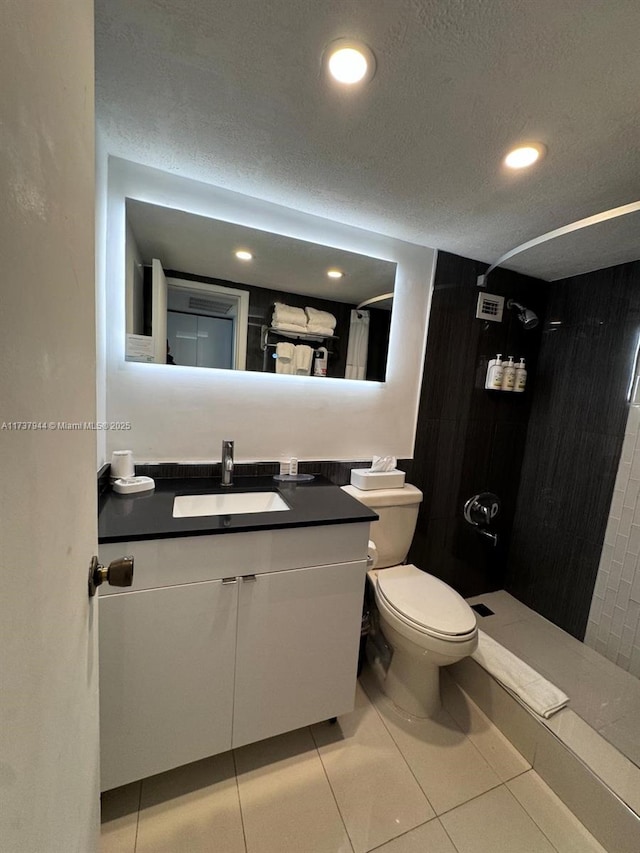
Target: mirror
192	301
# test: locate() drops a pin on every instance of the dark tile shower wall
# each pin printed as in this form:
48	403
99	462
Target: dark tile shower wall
468	439
576	429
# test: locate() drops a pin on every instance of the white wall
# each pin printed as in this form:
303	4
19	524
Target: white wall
614	620
181	413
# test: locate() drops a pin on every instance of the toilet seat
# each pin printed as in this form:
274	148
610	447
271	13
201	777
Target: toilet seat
425	604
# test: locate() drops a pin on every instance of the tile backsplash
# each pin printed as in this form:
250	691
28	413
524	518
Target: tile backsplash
613	628
337	472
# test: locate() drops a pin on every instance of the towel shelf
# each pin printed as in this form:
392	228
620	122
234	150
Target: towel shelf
302	336
266	344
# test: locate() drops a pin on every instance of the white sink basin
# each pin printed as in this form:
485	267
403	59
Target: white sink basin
234	503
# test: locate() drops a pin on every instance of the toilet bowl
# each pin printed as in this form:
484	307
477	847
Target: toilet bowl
426	623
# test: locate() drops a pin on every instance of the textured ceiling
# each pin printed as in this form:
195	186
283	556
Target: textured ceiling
232	93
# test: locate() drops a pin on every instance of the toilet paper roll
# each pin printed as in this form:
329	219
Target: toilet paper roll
372	555
122	464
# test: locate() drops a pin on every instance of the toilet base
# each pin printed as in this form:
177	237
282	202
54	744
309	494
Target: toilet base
413	684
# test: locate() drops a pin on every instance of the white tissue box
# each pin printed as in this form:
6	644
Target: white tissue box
365	478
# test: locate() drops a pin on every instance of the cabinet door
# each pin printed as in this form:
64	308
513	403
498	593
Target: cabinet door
297	652
166	678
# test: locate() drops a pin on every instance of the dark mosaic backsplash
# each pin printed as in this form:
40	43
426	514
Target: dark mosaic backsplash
337	472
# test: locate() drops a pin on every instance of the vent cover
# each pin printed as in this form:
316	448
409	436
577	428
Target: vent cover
490	307
199	304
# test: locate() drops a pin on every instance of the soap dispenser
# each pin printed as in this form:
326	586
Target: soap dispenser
494	374
509	375
521	377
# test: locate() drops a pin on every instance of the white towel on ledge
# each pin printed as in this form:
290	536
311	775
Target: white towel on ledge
288	314
320	318
536	692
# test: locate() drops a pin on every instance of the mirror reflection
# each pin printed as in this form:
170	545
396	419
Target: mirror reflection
204	293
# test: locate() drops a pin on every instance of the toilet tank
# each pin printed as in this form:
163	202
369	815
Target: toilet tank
398	511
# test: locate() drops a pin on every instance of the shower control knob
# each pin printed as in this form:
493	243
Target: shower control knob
118	573
481	509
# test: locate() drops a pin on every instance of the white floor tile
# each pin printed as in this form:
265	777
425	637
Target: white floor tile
494	823
428	838
551	815
499	753
194	808
119	814
447	765
376	792
287	803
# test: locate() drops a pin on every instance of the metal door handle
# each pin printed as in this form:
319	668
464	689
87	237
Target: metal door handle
118	573
250	578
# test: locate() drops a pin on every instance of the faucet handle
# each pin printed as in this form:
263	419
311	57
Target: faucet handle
226	462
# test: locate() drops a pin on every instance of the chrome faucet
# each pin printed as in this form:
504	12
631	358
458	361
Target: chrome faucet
227	463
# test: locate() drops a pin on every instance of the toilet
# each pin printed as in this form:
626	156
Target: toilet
424	621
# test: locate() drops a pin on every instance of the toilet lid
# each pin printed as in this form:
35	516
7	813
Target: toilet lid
425	601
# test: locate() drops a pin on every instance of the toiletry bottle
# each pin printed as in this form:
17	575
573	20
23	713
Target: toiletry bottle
521	376
494	374
320	357
508	375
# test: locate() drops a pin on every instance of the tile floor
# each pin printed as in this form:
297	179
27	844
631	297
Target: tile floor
375	781
605	696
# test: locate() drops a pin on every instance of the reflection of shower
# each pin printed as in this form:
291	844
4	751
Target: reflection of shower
527	317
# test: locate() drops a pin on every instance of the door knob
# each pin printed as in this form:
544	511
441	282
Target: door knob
118	573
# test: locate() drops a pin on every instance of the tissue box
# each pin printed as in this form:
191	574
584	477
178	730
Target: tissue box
365	478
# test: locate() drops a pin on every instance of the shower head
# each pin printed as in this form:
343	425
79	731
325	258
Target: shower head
527	317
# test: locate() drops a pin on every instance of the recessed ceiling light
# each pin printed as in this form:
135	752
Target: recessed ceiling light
335	273
524	155
243	255
350	61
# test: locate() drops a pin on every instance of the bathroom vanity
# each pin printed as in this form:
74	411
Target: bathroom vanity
237	627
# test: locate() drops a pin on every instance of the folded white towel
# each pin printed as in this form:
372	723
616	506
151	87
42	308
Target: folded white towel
536	692
284	357
289	327
320	318
317	329
288	314
281	326
302	360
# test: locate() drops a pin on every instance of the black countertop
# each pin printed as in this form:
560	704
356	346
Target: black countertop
149	515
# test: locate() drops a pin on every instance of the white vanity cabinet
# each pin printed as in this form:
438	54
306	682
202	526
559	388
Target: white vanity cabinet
297	652
225	640
166	678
